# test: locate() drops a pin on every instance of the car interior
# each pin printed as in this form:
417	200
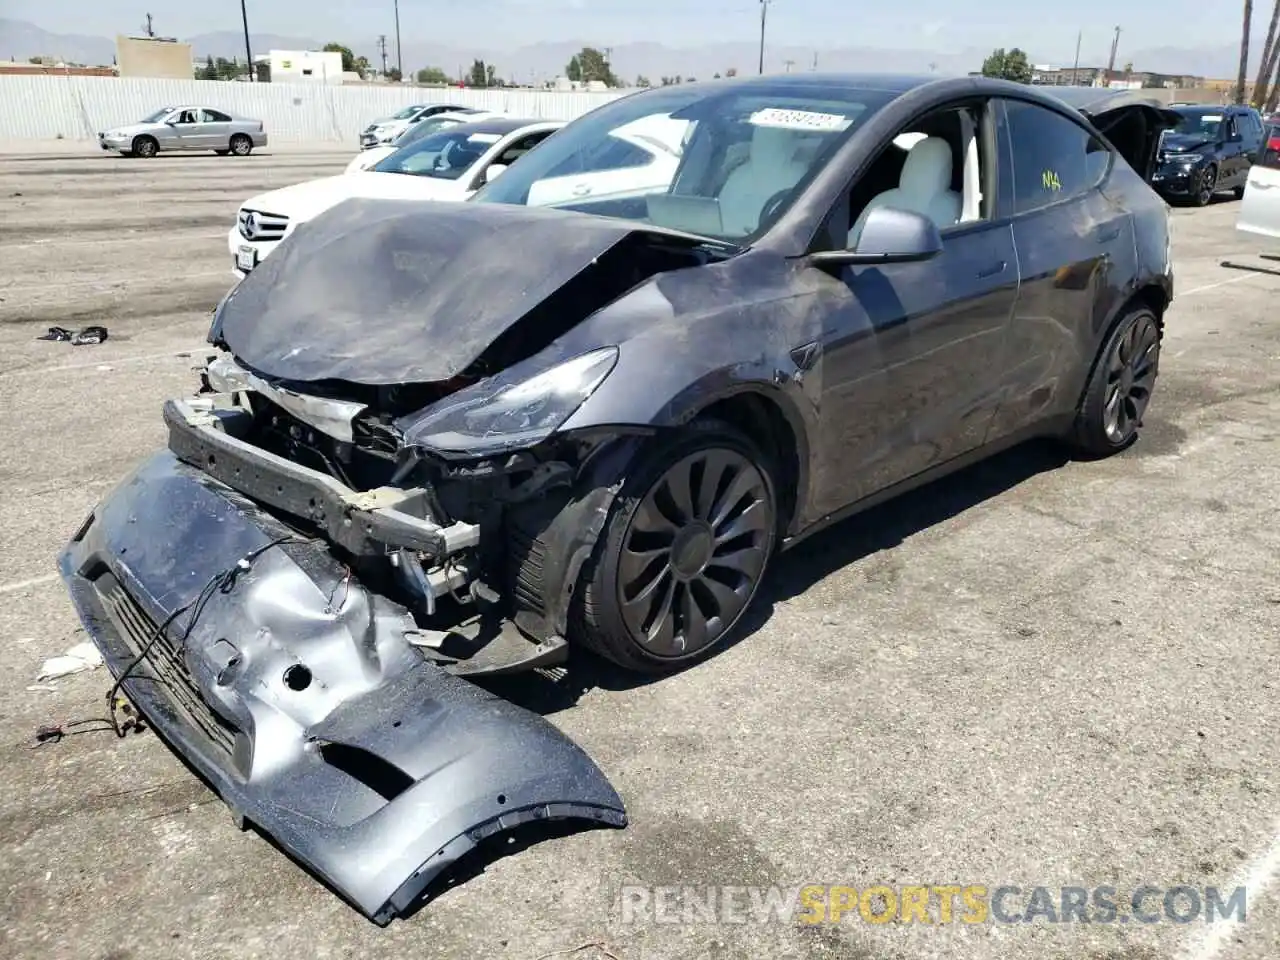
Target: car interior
933	168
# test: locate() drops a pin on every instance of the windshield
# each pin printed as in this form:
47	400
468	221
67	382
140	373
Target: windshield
1199	123
425	128
406	113
157	116
722	161
446	155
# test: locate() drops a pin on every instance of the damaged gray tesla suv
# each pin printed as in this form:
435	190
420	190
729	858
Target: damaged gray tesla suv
438	441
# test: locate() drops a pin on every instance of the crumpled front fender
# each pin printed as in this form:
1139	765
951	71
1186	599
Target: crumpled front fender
299	698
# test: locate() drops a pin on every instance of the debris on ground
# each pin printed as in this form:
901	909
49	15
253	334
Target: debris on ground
83	656
93	334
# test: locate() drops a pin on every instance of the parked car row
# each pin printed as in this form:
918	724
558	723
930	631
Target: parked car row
448	157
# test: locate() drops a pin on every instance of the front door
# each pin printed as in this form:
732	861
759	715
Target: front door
1260	207
908	378
184	126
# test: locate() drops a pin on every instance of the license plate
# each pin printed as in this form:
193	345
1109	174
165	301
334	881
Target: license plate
246	258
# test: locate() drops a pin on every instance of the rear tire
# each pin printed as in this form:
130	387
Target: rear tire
145	146
683	552
241	145
1120	386
1238	192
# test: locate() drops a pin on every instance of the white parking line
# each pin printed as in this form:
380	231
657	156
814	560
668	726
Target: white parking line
23	584
1255	877
105	362
114	284
139	237
1211	286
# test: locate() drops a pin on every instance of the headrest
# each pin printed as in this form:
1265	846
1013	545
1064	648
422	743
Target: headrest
928	167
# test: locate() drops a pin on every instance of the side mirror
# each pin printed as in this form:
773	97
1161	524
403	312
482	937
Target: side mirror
888	236
495	170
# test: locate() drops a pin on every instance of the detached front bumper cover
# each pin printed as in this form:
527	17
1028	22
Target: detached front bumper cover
298	696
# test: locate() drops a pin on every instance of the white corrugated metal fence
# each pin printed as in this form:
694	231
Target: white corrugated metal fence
77	108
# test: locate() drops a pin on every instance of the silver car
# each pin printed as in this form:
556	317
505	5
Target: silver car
186	128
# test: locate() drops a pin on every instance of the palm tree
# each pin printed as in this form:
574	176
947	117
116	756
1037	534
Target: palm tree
1244	50
1268	65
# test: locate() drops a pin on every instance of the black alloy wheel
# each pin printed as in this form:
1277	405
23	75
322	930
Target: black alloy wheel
684	555
1120	388
145	147
1206	186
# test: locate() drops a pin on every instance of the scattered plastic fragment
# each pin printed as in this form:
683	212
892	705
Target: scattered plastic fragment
83	656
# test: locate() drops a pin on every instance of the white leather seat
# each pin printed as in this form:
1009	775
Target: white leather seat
771	166
924	187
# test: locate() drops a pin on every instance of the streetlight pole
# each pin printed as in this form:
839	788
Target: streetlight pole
248	52
399	62
764	9
1075	70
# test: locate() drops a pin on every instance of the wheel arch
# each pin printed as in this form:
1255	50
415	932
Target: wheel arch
1155	295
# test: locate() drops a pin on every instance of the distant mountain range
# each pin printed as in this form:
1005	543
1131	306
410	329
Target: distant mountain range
20	39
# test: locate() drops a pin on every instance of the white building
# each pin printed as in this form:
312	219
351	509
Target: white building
305	66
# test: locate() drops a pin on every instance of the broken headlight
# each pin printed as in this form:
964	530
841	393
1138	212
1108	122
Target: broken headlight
484	420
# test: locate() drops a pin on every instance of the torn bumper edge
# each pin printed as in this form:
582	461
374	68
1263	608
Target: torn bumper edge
445	764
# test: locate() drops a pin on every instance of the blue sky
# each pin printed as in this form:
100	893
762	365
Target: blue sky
1048	30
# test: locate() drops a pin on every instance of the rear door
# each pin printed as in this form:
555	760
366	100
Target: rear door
1234	165
1260	207
215	129
1075	249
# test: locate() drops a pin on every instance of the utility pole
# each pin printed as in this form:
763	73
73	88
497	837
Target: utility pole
1075	69
382	48
1111	64
814	68
764	9
788	64
399	62
150	32
248	53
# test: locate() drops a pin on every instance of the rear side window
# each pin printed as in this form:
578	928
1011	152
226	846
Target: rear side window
215	116
1054	158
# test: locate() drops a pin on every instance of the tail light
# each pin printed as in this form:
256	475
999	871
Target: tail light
1273	143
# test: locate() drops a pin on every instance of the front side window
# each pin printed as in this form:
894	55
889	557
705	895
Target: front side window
1053	156
739	158
446	155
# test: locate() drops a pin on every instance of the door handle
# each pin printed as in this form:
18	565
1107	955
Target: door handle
1107	234
992	270
1259	185
581	190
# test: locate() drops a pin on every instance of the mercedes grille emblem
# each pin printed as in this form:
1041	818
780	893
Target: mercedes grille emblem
251	226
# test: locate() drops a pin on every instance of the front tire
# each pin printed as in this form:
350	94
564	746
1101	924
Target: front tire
241	145
1206	187
1238	192
1120	387
684	550
145	147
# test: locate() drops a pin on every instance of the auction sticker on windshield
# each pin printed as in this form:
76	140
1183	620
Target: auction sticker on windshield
484	138
798	119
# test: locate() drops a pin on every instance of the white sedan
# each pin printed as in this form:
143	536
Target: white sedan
1260	205
451	164
367	159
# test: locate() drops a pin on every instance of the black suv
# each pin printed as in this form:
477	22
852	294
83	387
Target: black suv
1210	150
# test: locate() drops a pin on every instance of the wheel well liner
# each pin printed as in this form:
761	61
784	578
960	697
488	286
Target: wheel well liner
762	419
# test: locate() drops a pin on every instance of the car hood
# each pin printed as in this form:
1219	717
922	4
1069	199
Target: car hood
1183	142
375	293
302	201
131	129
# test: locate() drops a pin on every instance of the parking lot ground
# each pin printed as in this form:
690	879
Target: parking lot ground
1036	673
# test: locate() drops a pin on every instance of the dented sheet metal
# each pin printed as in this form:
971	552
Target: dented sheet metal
382	292
300	699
